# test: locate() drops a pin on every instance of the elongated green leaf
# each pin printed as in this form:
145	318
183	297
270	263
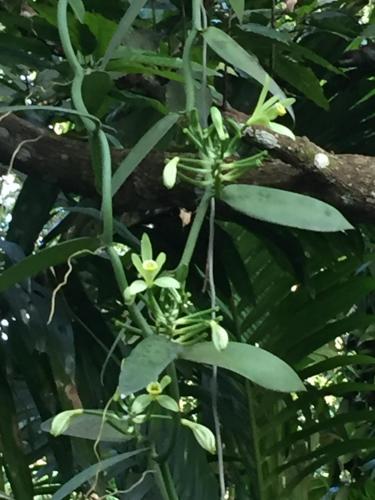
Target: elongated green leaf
87	424
303	79
285	208
327	425
34	264
37	107
141	150
145	363
119	227
78	9
267	32
251	362
336	361
92	471
133	10
238	7
234	54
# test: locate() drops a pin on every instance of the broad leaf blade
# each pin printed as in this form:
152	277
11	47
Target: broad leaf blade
51	256
141	150
145	363
285	208
251	362
89	425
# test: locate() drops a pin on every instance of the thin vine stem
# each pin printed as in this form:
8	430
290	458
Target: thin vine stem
100	137
194	233
187	70
214	381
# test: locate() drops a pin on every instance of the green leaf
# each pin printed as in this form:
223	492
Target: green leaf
87	424
335	362
234	54
119	227
251	362
167	282
141	150
95	88
122	29
51	256
267	32
303	79
78	8
238	7
285	208
145	363
92	471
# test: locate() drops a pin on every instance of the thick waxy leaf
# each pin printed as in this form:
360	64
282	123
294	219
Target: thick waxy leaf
234	54
251	362
141	150
285	208
86	424
146	362
92	471
51	256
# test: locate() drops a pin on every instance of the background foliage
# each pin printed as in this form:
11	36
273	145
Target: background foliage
306	297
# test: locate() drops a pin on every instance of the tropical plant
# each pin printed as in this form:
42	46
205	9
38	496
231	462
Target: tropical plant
223	350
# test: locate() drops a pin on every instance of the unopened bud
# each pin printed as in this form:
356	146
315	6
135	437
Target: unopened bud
280	109
170	172
217	120
202	434
219	336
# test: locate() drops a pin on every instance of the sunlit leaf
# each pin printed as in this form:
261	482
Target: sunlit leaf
285	208
153	355
251	362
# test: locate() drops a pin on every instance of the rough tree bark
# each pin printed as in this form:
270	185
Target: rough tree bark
345	181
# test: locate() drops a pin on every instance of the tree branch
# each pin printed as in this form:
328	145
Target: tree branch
345	181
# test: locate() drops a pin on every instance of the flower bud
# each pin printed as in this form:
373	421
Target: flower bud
217	120
170	172
219	336
280	109
202	434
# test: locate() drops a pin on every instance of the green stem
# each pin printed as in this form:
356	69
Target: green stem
254	437
62	25
104	151
187	70
168	481
107	213
184	263
160	481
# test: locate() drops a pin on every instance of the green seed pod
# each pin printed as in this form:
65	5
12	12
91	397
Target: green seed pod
218	123
170	172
